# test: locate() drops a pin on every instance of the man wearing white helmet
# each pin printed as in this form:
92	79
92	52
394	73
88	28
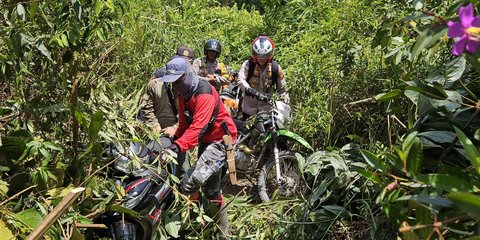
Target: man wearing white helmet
261	74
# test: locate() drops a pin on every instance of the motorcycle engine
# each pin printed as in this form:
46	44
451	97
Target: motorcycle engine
244	160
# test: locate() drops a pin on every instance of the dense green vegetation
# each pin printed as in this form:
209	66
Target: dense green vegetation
394	116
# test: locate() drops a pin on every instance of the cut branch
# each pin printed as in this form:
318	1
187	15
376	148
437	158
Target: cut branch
55	214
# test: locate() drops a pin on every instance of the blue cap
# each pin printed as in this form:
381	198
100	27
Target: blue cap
174	70
159	73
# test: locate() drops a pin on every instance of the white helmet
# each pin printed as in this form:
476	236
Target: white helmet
263	47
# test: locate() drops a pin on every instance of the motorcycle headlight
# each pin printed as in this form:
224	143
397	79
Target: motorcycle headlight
282	113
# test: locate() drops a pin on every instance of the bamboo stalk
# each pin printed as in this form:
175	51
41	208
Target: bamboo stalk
52	217
91	225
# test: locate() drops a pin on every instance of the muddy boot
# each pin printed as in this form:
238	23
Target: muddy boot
219	212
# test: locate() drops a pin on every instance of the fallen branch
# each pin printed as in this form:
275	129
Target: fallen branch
52	217
91	225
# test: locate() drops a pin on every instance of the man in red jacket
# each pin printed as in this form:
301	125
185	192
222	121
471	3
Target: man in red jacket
203	120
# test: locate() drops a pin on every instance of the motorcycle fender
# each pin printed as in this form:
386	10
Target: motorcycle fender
293	136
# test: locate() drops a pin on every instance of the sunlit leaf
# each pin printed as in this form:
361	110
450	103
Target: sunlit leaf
369	175
382	97
373	160
41	47
31	217
468	202
472	151
428	37
173	224
447	182
95	125
5	232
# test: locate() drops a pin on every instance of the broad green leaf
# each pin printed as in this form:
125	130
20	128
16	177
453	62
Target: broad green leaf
41	47
468	202
95	125
65	40
395	161
98	7
76	234
31	217
295	137
5	232
318	191
452	103
121	209
447	182
382	97
435	92
415	157
473	60
369	175
450	73
173	224
417	16
439	136
472	151
428	37
21	11
413	153
434	200
373	160
335	209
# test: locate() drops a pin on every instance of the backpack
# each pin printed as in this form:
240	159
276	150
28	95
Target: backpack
275	71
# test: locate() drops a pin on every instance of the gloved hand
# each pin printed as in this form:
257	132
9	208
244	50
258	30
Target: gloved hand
251	92
173	147
264	97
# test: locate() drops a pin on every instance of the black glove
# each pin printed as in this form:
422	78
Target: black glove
174	148
251	92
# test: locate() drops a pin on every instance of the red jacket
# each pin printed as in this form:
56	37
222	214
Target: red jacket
202	106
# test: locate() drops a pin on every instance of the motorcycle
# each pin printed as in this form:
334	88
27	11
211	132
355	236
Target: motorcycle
143	173
262	147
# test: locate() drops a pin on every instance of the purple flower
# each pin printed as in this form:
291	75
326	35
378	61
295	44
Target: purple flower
465	32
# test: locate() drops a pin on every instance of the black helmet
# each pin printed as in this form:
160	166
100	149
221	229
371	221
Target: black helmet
213	45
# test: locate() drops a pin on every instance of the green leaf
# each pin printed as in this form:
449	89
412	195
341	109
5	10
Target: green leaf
369	175
98	7
121	209
172	225
30	217
434	200
295	137
439	136
447	182
394	161
473	153
5	232
76	234
21	11
41	47
373	160
95	125
473	60
383	97
65	40
436	91
468	202
412	153
450	73
428	37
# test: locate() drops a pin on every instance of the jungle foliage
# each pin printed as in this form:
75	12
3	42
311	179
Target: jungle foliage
373	84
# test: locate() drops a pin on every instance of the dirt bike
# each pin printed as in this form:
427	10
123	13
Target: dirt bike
147	187
262	145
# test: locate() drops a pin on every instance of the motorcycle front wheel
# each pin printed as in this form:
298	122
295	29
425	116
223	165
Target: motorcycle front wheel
291	183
